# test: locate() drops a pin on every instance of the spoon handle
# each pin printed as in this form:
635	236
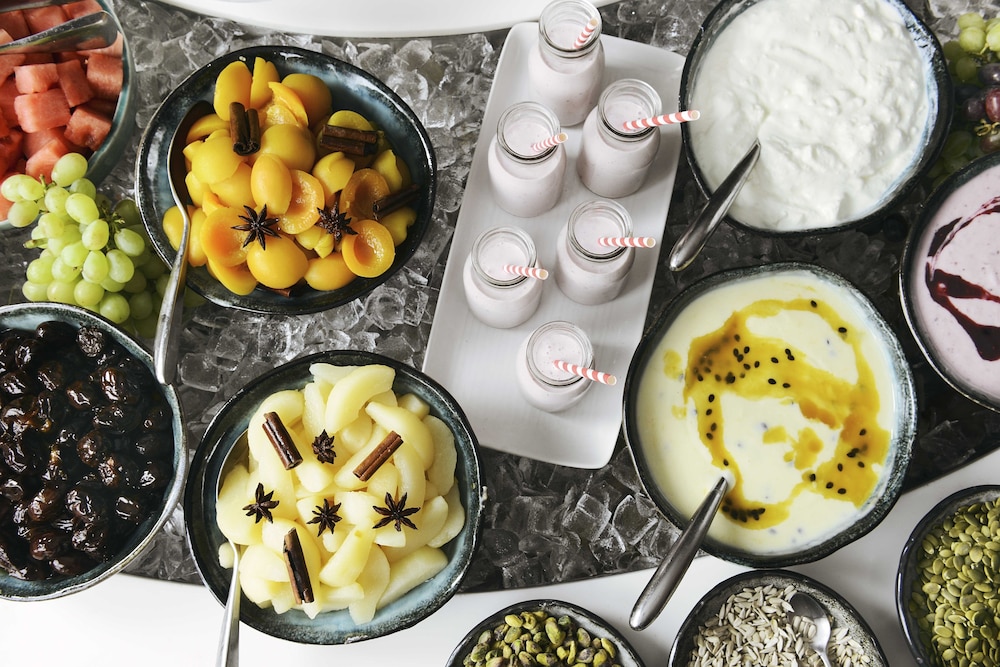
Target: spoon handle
14	5
677	560
690	243
171	308
92	31
229	639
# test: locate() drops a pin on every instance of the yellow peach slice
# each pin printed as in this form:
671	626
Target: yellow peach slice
264	72
232	85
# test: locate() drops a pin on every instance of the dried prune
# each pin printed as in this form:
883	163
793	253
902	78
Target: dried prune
93	447
46	505
87	503
92	341
72	563
83	394
45	543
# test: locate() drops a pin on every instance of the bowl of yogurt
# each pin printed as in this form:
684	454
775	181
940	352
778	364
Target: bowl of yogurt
950	280
786	380
851	103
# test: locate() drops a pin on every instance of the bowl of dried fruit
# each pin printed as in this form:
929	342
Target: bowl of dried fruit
356	508
544	632
748	616
309	181
946	582
93	455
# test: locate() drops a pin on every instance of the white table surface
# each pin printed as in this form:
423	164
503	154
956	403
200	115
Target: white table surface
130	620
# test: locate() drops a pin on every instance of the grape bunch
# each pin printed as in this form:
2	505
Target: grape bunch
93	254
974	63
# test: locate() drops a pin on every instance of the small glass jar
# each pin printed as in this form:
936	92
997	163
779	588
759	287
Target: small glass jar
585	270
497	297
544	385
613	161
526	182
566	67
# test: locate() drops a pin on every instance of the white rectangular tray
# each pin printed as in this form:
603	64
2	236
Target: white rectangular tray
476	362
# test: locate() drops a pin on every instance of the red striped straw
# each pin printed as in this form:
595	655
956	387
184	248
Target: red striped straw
584	372
626	241
585	34
542	145
665	119
527	271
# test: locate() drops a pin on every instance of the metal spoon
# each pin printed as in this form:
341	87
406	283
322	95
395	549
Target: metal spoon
92	31
805	606
677	560
229	639
167	329
690	243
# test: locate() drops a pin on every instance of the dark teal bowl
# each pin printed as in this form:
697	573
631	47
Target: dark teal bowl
353	89
27	316
596	626
332	627
841	613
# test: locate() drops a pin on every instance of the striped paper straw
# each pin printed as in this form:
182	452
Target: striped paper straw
665	119
540	146
527	271
585	34
626	241
588	373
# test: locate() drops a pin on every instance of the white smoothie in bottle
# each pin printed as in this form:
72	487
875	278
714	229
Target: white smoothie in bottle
542	383
586	270
497	296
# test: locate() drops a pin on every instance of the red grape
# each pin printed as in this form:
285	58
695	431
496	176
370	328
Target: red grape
992	104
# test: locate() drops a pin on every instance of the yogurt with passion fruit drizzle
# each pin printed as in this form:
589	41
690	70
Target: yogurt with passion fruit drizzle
776	380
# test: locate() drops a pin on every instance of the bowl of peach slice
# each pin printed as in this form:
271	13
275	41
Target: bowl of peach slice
308	182
355	507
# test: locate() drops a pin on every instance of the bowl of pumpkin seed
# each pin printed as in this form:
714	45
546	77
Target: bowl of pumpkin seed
946	587
545	632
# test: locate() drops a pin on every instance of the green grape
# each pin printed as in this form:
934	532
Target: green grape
967	69
146	327
33	291
68	168
993	38
38	235
84	186
111	285
972	39
154	268
31	189
88	294
61	292
970	20
22	213
128	210
141	305
129	242
51	224
75	254
95	267
957	143
952	50
114	307
95	235
138	283
39	270
63	272
120	266
82	208
9	189
55	199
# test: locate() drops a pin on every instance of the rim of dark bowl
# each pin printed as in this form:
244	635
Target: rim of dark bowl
713	599
906	571
906	419
198	86
587	619
942	109
927	213
203	536
32	314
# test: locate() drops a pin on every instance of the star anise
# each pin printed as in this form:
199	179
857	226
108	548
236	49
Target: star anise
395	511
334	222
323	448
326	516
258	226
262	505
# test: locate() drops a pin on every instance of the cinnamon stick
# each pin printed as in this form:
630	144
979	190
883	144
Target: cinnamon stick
244	128
298	572
386	205
349	140
378	456
282	441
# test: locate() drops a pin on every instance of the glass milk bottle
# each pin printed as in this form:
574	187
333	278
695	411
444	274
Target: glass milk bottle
498	297
566	67
526	178
613	161
542	383
588	270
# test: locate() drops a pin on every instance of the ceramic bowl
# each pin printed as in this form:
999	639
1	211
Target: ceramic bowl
938	95
331	627
843	616
596	626
915	606
27	317
353	89
777	358
950	281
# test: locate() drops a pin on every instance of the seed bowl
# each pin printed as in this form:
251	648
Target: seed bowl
947	559
129	467
568	618
352	89
837	174
334	626
744	375
760	598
